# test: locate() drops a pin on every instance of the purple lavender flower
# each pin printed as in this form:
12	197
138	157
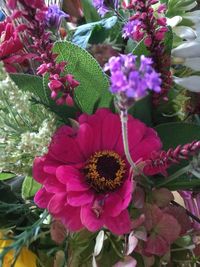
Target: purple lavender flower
130	27
54	17
130	80
104	6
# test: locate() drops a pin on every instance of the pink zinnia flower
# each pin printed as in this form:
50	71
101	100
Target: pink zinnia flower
85	175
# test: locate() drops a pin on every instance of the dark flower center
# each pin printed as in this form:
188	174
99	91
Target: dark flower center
105	171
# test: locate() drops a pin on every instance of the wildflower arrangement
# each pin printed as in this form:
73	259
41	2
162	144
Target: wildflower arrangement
99	133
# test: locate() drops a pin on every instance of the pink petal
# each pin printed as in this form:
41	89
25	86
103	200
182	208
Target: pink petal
38	172
181	216
72	178
52	185
64	147
100	114
136	131
70	217
111	131
119	225
95	121
144	149
85	139
89	219
164	228
156	245
128	262
51	165
113	205
117	201
57	203
42	198
78	199
125	192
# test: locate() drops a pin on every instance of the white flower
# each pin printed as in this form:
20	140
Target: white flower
192	63
172	22
191	83
185	32
188	49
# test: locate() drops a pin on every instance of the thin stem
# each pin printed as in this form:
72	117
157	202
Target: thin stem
174	176
124	121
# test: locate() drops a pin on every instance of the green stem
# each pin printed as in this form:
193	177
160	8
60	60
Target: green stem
124	124
174	176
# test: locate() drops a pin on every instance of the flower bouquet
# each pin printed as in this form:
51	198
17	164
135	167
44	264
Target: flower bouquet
99	133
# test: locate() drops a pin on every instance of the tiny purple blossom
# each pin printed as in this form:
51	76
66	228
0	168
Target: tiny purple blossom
130	80
54	16
104	6
130	28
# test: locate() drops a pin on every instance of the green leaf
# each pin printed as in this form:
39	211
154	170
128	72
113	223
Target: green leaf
31	83
89	11
6	176
176	133
142	110
168	41
29	187
93	90
83	33
140	49
183	183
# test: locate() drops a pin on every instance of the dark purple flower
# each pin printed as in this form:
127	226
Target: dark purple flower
130	80
104	6
54	17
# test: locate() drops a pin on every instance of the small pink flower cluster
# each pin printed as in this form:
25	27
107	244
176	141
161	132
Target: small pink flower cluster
62	87
144	24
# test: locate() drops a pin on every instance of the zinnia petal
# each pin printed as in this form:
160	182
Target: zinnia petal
90	220
57	203
42	198
71	177
119	225
78	199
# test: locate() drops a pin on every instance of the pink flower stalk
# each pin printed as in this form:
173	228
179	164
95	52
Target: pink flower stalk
62	87
38	41
85	175
164	159
144	24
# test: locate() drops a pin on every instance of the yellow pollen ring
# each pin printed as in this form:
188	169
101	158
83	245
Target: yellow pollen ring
101	183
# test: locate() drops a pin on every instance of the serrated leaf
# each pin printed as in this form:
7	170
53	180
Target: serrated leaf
29	187
93	90
6	176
